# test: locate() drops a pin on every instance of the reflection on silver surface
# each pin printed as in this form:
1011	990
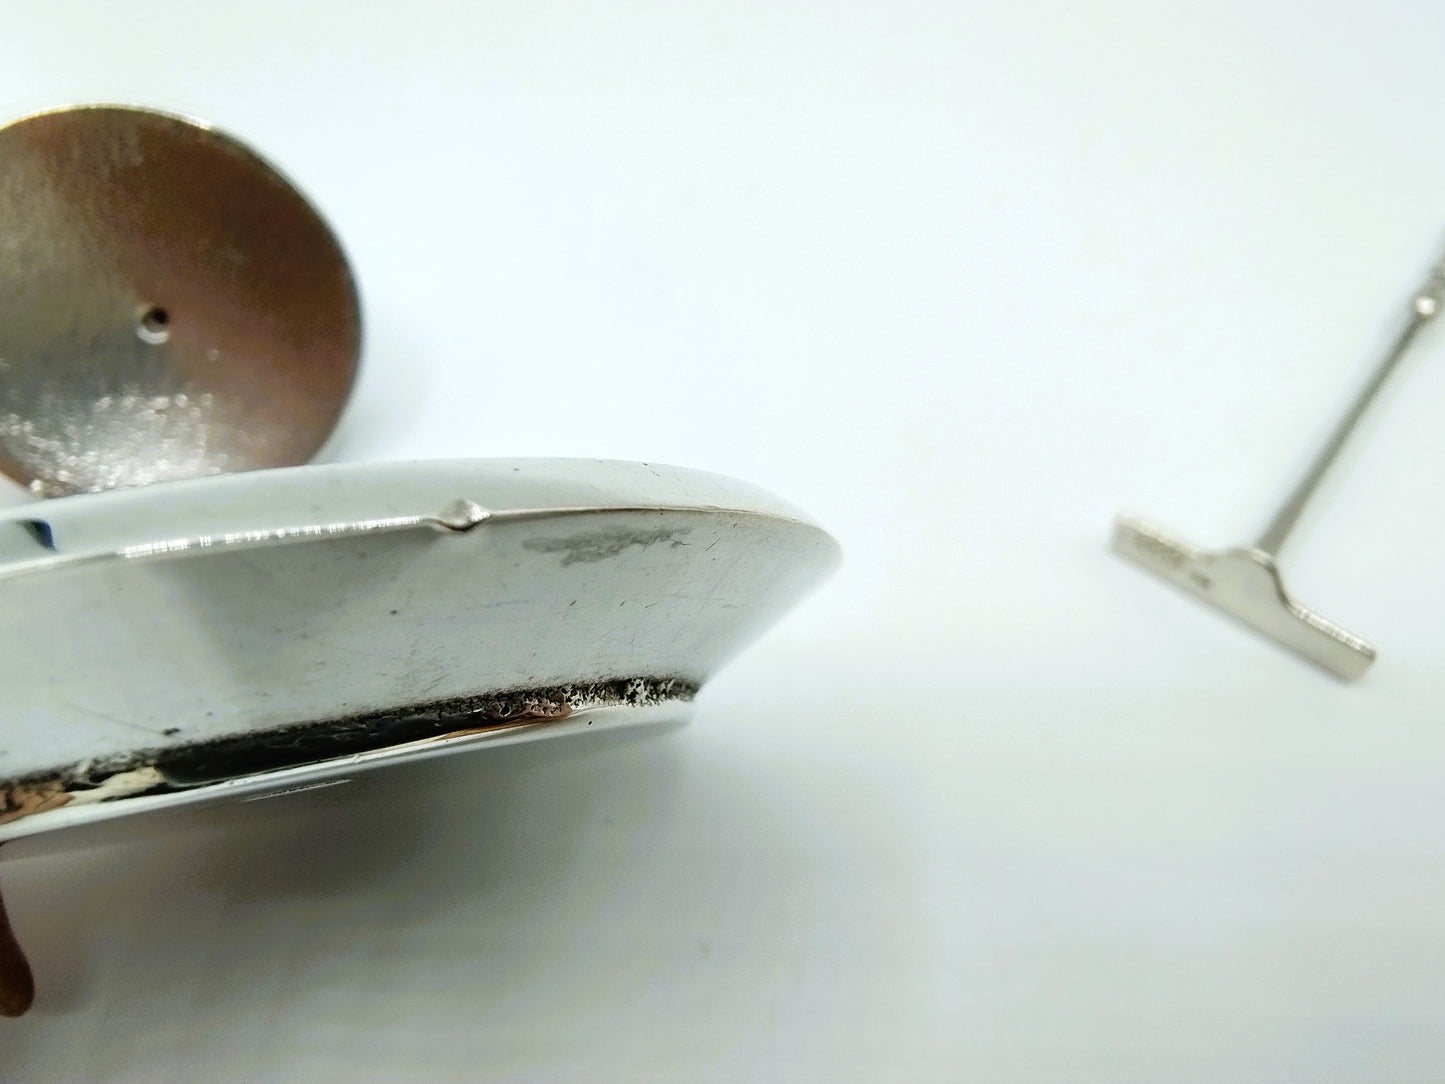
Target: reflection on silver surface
170	306
1245	584
159	645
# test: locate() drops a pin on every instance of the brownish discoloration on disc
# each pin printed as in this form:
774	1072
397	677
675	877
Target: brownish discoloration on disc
17	984
23	799
535	712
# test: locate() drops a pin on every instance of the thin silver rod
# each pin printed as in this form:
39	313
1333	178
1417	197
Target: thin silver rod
1426	303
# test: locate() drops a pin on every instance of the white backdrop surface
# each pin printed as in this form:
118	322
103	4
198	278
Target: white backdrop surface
961	280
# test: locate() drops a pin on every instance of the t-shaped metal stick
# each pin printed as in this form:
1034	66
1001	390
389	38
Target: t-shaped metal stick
1244	582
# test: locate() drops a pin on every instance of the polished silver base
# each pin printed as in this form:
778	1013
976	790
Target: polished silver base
271	630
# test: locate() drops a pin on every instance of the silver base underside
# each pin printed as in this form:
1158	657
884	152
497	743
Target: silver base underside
83	813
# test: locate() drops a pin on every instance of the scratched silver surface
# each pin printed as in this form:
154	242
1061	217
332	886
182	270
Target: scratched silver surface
170	305
158	618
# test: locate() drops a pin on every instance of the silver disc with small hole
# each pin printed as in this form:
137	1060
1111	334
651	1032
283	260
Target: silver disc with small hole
170	305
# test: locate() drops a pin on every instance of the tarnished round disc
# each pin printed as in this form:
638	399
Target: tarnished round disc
170	306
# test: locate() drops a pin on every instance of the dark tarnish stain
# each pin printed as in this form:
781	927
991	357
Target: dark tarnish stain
17	984
592	546
200	763
310	743
39	530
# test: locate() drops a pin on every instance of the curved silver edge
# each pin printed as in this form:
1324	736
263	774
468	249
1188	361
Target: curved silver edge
457	517
299	504
285	781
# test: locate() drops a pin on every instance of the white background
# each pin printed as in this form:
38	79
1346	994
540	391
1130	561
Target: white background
962	280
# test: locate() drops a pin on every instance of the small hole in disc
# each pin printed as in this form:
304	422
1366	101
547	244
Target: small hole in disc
154	325
109	216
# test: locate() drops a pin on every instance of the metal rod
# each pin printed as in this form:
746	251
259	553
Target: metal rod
1425	304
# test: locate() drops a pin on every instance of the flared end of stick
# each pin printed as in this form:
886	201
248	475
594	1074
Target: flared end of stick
1245	584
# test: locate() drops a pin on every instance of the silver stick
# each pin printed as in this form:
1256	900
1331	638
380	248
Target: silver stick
1244	581
1424	306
